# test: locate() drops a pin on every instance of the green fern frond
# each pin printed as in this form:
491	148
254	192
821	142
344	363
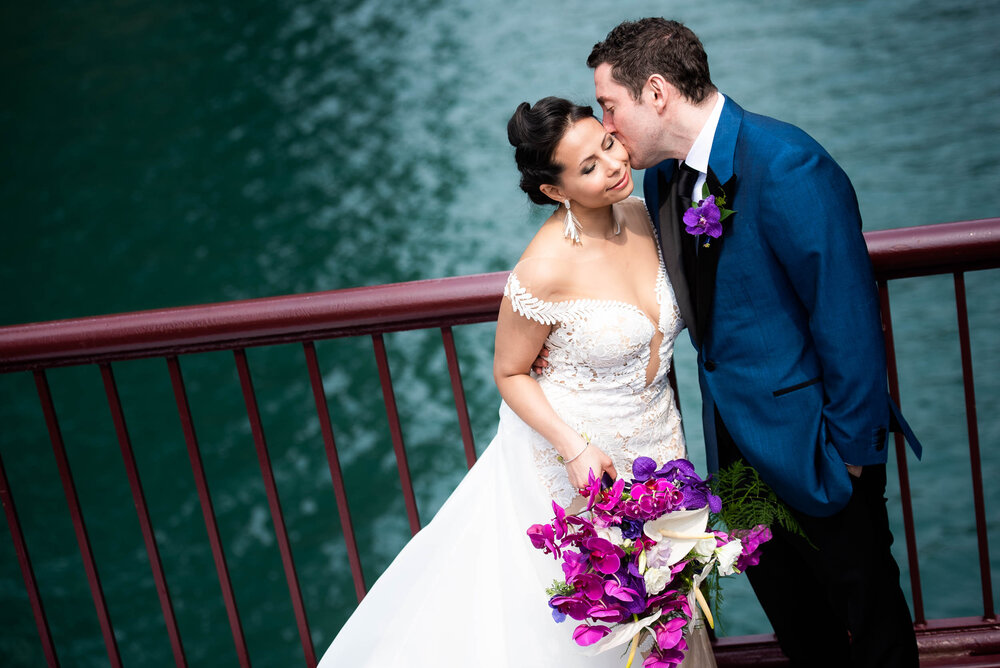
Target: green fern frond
748	501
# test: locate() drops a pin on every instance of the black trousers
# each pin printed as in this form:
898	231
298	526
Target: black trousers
836	602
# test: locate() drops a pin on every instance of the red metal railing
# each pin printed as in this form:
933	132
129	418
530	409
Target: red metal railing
443	303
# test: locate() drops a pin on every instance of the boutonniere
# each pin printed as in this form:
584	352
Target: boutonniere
707	215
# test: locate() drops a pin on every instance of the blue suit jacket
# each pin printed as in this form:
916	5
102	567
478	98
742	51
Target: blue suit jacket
786	320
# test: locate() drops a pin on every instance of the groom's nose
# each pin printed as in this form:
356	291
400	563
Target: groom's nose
609	124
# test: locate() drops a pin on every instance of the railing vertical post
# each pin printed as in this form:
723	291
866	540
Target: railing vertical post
904	475
139	498
273	501
208	511
459	393
339	489
27	572
973	426
79	525
397	433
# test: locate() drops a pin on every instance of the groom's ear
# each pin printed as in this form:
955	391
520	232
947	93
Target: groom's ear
657	91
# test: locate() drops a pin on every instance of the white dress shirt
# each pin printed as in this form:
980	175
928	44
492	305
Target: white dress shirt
701	150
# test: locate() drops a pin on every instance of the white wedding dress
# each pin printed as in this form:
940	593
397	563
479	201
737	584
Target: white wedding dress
469	589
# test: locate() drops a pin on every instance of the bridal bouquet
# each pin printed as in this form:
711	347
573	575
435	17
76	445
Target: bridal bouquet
635	558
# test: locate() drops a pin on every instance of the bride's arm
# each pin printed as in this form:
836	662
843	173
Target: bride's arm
518	341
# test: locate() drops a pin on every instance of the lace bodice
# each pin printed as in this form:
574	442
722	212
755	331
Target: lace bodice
599	352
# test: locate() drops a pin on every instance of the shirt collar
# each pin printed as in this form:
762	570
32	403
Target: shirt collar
701	150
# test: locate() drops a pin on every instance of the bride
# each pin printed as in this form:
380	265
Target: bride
469	589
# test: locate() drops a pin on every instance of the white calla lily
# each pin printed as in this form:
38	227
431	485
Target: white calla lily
620	634
681	528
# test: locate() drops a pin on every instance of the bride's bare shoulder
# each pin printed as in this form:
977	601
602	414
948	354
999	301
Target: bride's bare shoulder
544	268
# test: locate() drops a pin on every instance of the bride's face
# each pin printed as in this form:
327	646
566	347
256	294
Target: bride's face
596	169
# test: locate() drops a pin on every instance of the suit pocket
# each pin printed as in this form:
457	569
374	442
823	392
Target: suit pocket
797	386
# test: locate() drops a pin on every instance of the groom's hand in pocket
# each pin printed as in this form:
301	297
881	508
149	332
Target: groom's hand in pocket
854	470
540	361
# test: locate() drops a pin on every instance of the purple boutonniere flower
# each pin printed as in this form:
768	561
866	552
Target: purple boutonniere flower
705	217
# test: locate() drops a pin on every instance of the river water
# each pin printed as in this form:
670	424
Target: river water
163	154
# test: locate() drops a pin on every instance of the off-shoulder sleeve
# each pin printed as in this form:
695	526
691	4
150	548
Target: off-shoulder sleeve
529	306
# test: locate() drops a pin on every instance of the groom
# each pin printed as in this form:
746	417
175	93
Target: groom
781	304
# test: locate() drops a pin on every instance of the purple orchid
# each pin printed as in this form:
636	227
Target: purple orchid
559	522
587	635
697	492
576	606
605	555
752	540
704	218
671	600
643	468
677	469
669	635
615	590
665	658
543	537
605	612
574	563
652	499
585	528
592	490
590	585
612	496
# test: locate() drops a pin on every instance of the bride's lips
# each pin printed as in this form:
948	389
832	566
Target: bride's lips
624	182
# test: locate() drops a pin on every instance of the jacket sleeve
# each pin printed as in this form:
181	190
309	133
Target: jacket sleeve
811	223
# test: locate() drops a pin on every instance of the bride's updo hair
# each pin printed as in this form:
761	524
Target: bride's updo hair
534	132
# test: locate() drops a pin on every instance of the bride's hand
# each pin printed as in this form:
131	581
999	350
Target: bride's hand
591	459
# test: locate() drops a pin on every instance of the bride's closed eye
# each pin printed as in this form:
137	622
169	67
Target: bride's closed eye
609	143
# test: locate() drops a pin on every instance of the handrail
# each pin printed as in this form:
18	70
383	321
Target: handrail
935	249
252	322
442	303
897	253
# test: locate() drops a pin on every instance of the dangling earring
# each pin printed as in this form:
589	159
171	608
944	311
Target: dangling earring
571	229
618	225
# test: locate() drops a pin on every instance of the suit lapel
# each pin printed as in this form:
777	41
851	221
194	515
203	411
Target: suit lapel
708	258
678	251
720	171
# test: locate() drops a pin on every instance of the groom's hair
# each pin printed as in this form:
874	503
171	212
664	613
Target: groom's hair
639	49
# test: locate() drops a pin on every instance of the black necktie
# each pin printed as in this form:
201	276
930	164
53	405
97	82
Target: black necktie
686	178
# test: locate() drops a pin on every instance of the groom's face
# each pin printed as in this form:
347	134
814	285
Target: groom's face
634	124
